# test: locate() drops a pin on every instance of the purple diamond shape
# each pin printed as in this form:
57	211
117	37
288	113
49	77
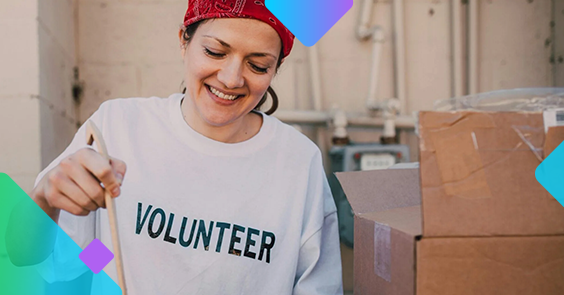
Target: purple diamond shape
96	256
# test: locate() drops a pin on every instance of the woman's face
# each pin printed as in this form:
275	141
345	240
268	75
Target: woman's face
229	64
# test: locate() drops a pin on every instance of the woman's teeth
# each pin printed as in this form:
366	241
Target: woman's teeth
222	95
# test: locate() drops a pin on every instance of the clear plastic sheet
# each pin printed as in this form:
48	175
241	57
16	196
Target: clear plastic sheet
525	99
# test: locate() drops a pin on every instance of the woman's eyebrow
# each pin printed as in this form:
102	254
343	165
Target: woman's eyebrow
225	44
219	40
262	54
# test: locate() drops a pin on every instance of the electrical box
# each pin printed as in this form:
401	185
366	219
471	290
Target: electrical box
359	157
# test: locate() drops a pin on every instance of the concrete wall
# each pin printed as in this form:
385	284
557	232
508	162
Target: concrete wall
19	107
130	48
515	44
557	58
57	58
37	117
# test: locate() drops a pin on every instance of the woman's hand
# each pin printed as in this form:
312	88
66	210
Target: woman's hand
77	184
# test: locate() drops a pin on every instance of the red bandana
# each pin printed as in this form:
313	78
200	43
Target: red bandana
204	9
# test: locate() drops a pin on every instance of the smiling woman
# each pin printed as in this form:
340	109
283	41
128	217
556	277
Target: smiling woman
219	197
227	76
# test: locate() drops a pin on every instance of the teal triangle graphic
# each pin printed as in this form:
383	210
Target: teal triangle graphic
550	173
36	256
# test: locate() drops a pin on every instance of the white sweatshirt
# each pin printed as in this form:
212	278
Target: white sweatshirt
198	216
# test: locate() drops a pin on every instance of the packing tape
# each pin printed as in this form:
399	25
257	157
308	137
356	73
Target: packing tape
382	251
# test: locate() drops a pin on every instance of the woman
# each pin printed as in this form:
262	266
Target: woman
218	198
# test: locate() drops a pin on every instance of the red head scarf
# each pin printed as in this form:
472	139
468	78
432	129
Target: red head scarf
204	9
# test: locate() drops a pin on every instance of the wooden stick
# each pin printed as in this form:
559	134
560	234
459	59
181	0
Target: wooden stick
94	135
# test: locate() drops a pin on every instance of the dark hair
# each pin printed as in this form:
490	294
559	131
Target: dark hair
191	30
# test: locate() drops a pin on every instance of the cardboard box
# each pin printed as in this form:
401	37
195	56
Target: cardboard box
392	258
478	174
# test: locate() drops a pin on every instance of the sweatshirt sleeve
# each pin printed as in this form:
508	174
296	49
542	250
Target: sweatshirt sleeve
319	270
60	265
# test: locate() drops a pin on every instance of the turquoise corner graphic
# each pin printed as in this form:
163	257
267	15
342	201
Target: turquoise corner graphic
36	256
550	174
309	20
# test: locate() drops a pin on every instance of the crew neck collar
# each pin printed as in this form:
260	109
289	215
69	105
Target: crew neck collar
212	147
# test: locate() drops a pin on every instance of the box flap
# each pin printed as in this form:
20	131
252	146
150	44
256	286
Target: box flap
407	219
384	251
381	190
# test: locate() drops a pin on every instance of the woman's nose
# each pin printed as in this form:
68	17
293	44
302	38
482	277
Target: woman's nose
231	74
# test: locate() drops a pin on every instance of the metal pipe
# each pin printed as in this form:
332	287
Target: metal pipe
302	117
473	50
400	54
317	96
354	119
401	122
457	49
315	77
377	41
363	29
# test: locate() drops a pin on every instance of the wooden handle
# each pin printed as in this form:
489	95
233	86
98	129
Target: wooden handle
94	135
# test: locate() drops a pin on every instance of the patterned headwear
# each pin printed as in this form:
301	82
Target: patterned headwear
204	9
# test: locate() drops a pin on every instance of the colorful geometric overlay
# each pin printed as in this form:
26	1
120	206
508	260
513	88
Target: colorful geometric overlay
96	256
550	173
309	20
36	256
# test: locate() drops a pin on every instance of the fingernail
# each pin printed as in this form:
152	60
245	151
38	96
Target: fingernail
119	177
115	191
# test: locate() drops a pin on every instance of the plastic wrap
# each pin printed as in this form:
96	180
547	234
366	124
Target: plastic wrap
525	99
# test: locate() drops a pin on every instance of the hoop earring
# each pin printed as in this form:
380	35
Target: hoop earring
274	101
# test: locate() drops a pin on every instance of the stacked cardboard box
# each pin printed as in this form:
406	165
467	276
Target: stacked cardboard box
471	220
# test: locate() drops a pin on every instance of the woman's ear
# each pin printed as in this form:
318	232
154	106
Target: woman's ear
182	42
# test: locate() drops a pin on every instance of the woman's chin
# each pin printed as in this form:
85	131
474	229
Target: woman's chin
219	119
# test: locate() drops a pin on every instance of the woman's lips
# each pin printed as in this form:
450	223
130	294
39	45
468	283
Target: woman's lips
220	100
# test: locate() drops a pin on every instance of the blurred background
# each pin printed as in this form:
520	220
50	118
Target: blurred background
362	83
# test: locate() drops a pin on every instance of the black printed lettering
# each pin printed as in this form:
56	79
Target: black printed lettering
250	242
222	226
205	236
235	239
266	246
202	230
139	221
152	233
181	240
167	236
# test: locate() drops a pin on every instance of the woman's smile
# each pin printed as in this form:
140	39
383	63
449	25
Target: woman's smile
221	97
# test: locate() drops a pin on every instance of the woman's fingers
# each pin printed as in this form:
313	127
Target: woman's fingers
119	168
56	199
101	169
69	188
77	184
84	180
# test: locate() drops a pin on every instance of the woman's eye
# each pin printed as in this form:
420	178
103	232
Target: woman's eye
213	54
259	69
